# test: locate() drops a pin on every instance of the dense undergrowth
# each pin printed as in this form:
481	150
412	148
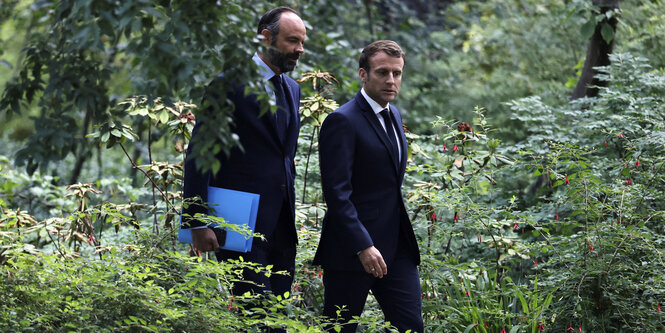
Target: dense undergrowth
561	231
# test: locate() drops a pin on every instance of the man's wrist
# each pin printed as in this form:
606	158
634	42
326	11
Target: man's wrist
361	251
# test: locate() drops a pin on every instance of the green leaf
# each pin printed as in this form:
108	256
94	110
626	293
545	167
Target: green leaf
625	172
515	329
469	328
127	133
322	117
525	306
504	159
164	116
587	28
547	302
572	81
607	32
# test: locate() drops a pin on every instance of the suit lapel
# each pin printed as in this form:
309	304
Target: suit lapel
369	114
294	127
251	104
270	123
292	130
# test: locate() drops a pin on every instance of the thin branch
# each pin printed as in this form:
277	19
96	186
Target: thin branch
145	174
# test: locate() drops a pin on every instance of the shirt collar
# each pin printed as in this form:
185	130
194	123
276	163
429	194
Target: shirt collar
266	72
374	105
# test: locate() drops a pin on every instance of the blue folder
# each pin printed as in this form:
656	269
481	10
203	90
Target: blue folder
236	207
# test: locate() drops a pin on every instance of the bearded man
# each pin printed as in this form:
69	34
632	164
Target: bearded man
264	162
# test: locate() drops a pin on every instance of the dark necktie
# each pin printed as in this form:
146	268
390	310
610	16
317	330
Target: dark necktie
387	119
282	113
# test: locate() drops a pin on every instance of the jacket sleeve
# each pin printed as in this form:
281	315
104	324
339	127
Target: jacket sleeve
336	152
195	188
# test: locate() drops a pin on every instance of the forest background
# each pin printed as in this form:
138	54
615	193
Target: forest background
545	214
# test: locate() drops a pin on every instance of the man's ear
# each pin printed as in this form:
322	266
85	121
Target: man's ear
267	37
362	74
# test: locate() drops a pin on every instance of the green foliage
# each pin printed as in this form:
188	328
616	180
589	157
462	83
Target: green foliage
606	190
162	49
546	215
562	230
132	289
82	57
487	53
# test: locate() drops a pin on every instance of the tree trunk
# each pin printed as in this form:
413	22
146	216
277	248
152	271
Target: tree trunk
83	151
598	53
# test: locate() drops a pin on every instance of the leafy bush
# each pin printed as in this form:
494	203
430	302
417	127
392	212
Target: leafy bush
560	231
600	206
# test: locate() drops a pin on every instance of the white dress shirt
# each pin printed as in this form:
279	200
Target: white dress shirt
266	74
377	111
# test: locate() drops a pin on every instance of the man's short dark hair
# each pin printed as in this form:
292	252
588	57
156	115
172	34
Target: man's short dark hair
389	47
270	20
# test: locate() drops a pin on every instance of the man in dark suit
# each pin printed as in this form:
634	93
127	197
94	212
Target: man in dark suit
264	164
367	242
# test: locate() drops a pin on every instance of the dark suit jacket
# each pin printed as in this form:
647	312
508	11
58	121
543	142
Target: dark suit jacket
362	188
263	166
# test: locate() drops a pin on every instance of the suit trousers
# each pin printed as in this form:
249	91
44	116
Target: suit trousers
398	294
279	250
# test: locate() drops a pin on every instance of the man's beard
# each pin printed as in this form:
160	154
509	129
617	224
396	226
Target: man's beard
283	61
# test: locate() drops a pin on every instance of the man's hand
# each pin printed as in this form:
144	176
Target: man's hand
372	261
204	240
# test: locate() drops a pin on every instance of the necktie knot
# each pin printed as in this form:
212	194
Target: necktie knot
387	119
276	80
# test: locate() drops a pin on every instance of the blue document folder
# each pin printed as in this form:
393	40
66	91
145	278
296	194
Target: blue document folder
236	207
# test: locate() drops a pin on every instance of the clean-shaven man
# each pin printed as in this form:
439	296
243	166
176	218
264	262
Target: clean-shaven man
367	241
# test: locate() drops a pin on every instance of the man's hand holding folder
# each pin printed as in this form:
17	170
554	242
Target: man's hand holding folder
238	209
208	239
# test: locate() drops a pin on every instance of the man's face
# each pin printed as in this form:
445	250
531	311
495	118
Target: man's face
384	78
287	47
